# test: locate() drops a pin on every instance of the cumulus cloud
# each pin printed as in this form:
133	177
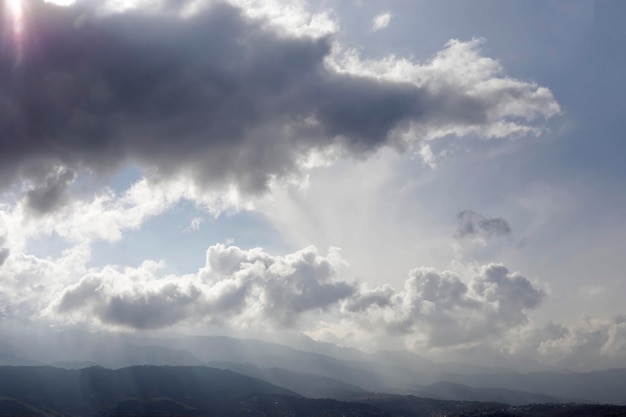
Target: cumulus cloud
236	286
243	288
26	281
472	224
484	306
449	310
381	21
239	105
582	345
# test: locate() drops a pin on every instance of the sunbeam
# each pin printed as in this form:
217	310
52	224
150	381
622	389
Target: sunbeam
15	16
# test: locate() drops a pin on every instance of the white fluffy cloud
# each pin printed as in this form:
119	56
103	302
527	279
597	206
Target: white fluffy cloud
108	215
446	309
486	308
467	93
582	345
26	281
237	287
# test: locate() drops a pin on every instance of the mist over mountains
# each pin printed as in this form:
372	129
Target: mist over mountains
342	374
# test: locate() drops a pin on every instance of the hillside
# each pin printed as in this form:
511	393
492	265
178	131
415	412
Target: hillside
321	375
460	392
93	391
411	406
148	391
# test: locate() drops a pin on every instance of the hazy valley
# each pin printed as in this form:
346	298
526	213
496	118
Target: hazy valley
217	375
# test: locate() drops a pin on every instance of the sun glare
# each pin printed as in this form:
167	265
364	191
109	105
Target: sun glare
16	12
15	16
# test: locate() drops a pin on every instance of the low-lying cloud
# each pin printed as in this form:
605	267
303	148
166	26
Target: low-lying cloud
235	286
244	288
486	307
448	309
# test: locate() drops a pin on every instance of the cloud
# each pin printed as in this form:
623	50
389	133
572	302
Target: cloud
582	345
51	192
253	288
472	224
381	21
236	286
27	282
195	224
108	215
289	17
239	105
4	252
447	310
242	288
465	93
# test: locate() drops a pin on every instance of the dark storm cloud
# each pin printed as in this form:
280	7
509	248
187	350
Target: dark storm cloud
51	192
216	97
472	224
213	96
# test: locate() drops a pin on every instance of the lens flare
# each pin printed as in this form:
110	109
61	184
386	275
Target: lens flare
14	10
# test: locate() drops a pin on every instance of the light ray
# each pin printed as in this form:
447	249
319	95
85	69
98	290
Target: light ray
15	12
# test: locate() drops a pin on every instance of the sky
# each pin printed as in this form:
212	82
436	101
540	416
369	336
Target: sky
443	177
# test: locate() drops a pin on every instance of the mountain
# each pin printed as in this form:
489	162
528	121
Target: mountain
156	390
411	406
308	385
302	342
269	355
92	390
132	354
74	364
460	392
339	373
148	391
11	407
608	386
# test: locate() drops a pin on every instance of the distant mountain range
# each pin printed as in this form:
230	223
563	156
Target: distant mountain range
460	392
196	391
324	370
152	390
